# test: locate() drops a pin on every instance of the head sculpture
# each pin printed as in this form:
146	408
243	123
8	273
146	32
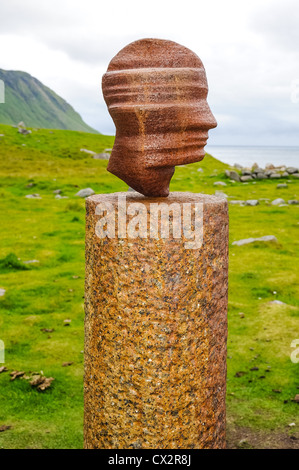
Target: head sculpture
156	93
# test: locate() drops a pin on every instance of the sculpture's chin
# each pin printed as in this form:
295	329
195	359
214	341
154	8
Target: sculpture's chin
152	182
156	192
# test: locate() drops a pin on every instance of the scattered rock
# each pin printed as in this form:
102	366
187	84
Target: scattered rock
221	194
22	128
85	192
90	152
251	202
237	202
31	261
108	150
41	382
242	315
243	444
240	373
254	368
281	185
291	169
24	131
246	178
200	170
33	196
296	399
47	330
58	196
2	292
57	191
3	428
275	175
269	166
30	185
293	201
233	175
3	369
246	241
66	364
277	302
278	201
219	183
16	374
67	322
101	156
295	175
261	176
276	390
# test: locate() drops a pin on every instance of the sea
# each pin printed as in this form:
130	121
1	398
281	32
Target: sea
246	156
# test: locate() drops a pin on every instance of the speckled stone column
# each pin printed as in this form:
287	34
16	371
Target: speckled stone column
155	332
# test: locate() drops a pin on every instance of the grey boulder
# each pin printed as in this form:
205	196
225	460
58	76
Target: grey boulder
246	178
291	170
251	202
278	201
85	192
233	175
101	156
246	241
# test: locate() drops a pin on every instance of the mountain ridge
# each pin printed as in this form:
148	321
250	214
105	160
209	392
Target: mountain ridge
27	99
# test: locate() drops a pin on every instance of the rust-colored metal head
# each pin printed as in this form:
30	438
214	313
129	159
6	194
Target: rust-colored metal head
156	93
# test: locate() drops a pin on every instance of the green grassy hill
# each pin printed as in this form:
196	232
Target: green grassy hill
28	100
262	381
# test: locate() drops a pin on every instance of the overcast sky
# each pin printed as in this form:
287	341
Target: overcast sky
250	50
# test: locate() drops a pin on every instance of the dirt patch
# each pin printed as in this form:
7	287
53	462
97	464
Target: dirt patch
246	438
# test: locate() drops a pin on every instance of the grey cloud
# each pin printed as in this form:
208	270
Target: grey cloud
86	47
22	17
59	26
278	23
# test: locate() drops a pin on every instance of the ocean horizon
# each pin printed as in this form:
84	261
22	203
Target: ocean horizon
248	155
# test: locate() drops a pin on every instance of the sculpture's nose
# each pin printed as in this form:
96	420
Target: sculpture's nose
210	118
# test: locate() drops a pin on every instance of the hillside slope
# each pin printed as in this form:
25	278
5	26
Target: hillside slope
28	100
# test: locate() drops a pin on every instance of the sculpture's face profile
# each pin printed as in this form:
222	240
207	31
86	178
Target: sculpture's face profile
156	92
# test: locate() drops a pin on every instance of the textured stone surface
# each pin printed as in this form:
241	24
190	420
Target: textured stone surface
155	333
156	93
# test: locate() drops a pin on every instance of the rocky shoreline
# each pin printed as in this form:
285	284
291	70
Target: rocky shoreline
242	174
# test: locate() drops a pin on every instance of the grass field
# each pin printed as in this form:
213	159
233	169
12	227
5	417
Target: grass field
43	295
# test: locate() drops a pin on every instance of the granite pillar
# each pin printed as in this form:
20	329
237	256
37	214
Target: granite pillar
156	321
